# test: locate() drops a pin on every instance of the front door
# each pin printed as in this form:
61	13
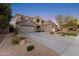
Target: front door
38	28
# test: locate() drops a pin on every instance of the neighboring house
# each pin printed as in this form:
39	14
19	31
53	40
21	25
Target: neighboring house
31	24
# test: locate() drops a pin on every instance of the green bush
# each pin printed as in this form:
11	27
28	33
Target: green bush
62	34
15	40
70	33
30	48
38	31
58	33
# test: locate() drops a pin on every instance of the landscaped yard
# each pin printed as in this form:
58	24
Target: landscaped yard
70	33
24	47
41	43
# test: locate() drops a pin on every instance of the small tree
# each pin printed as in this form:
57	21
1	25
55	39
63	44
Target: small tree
59	19
5	15
71	23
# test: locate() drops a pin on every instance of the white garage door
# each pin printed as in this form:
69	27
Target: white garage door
24	29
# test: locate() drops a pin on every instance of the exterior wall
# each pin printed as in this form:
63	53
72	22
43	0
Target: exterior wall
26	23
35	20
46	26
43	26
18	18
14	20
26	26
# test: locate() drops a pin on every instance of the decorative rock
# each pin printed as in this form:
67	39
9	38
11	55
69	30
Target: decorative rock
22	42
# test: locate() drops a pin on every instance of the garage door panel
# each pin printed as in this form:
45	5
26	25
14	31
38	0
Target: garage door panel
25	29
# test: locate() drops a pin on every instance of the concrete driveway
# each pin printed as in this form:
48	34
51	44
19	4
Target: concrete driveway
67	45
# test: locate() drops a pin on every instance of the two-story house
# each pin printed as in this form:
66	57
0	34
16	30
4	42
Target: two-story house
32	24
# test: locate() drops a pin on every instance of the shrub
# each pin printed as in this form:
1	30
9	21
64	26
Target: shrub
62	34
38	31
51	32
14	34
15	31
58	32
43	31
15	40
70	33
30	48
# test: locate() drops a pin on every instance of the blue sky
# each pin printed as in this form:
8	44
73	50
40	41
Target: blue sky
46	10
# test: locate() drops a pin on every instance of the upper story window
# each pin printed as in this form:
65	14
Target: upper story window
22	18
38	20
42	21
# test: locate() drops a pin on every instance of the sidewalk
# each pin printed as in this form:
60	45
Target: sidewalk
73	49
2	36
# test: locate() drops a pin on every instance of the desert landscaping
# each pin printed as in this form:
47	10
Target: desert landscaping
38	32
8	48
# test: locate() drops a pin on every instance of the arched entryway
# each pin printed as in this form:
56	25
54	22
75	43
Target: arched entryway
38	28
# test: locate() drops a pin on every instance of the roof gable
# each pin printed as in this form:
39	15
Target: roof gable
27	23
